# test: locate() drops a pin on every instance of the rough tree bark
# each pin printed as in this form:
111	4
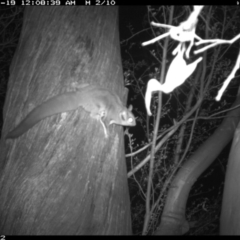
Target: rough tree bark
173	219
230	214
63	176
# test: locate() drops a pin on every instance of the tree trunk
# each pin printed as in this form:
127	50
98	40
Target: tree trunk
64	176
173	219
230	214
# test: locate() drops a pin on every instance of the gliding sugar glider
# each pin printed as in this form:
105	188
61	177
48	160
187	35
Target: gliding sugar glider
98	101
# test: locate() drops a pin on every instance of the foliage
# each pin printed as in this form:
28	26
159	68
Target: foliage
142	64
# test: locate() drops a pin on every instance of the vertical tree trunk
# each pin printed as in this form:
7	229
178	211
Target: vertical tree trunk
173	219
63	176
230	214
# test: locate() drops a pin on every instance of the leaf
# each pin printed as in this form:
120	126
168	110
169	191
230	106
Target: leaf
177	74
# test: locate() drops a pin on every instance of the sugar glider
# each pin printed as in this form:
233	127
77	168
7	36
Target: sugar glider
98	101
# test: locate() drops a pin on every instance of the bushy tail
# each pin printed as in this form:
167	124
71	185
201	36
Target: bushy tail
61	103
